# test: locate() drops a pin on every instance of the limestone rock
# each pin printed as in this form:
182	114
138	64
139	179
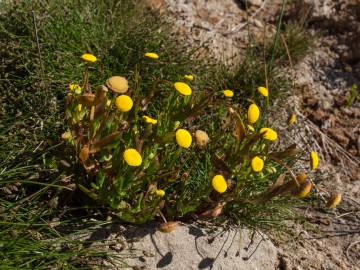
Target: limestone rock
191	247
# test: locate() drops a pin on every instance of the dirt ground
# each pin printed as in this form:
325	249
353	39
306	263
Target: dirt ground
323	83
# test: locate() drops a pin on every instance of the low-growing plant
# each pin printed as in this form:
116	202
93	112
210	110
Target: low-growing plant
295	42
352	95
135	143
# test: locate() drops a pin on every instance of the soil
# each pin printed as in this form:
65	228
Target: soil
324	80
322	87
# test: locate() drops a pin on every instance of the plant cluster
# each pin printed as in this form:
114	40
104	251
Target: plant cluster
171	149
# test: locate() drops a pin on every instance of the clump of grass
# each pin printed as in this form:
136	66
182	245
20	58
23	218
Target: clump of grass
352	95
295	43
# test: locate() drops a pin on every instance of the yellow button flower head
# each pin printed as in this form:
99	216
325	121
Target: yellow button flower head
89	57
124	103
160	192
314	160
257	164
189	77
303	190
151	55
334	200
292	119
183	138
264	91
269	134
75	88
251	128
253	113
219	183
118	84
228	93
149	120
183	88
132	157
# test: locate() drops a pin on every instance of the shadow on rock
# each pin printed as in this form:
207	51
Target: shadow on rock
206	262
166	260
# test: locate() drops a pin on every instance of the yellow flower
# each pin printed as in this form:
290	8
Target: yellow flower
314	160
219	183
334	200
269	134
189	77
253	113
132	157
251	128
160	192
149	120
79	107
183	88
303	190
75	88
263	90
292	119
118	84
257	164
228	93
124	103
151	55
183	138
89	57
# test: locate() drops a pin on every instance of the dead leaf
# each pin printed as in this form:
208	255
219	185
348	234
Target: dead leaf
99	144
167	227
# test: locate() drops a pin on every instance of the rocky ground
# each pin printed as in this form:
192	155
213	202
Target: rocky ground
324	80
323	84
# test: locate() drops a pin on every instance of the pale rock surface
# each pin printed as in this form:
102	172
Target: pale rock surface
191	247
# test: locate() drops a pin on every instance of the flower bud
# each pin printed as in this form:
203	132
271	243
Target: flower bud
202	139
84	153
303	190
334	200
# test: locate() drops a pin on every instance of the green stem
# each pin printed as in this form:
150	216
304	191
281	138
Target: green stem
276	40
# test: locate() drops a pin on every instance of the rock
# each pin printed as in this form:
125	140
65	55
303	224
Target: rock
326	105
303	10
190	247
257	3
339	136
258	23
312	102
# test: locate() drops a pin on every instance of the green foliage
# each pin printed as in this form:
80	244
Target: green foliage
294	42
353	95
105	127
